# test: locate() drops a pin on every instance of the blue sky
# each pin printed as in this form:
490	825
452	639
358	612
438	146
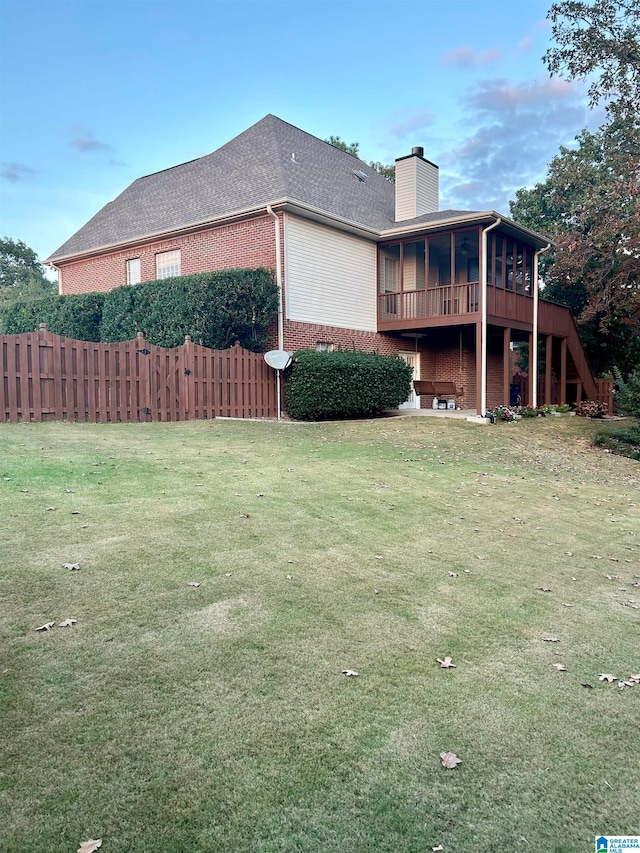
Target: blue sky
96	93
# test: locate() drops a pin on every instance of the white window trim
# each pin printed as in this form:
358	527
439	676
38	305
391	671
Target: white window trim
130	277
168	264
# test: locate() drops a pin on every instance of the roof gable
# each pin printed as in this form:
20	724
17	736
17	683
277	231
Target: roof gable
270	161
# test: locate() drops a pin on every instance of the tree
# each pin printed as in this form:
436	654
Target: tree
590	202
589	205
388	172
344	146
599	40
21	274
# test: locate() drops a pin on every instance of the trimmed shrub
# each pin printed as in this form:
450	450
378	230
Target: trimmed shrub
627	392
76	316
344	384
591	409
623	442
215	308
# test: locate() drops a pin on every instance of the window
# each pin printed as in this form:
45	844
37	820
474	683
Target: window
323	346
168	264
133	271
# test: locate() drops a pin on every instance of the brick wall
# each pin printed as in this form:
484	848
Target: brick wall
306	335
250	243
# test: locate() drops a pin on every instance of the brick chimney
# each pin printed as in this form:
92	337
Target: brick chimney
416	186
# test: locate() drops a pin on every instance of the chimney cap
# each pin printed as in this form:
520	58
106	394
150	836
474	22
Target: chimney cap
419	150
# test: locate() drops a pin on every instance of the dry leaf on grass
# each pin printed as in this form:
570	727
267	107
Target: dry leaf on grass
68	623
453	574
544	589
244	515
446	663
349	672
90	846
550	640
567	605
450	760
635	678
51	508
194	584
606	676
46	627
436	849
585	684
73	567
622	684
560	667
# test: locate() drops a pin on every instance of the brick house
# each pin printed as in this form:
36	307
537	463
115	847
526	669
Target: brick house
360	262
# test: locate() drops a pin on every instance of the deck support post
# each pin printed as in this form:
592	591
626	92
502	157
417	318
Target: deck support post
563	371
506	367
533	376
479	371
547	369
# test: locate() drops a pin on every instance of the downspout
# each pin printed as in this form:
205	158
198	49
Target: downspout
534	335
483	279
279	285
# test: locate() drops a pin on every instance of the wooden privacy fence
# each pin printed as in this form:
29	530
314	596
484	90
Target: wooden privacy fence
46	377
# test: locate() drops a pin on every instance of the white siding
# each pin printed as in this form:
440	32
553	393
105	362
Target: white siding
427	200
406	189
330	276
416	188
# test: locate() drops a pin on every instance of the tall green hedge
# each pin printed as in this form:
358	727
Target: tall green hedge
76	316
215	308
327	385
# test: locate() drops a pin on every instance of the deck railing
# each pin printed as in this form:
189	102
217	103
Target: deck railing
439	301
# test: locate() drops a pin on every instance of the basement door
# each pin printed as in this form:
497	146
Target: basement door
412	359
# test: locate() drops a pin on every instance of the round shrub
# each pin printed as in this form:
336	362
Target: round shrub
344	384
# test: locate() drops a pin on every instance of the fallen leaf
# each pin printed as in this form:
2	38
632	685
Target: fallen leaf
446	663
622	684
194	583
567	605
560	667
569	553
349	672
75	512
289	577
449	760
68	623
376	592
51	508
590	686
453	574
227	574
90	846
260	495
606	676
544	589
550	640
635	678
436	849
70	491
73	567
46	627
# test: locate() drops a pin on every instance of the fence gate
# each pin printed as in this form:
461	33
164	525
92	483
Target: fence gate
48	377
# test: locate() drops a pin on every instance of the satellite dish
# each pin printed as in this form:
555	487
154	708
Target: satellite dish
279	359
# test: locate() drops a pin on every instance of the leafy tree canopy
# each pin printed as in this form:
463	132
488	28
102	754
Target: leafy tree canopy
388	172
599	41
590	202
21	274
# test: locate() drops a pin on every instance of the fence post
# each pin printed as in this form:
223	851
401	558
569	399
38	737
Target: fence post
187	378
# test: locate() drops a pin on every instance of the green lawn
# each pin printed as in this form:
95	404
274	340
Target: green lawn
173	718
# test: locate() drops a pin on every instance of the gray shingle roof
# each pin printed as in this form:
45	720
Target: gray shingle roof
253	169
272	161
